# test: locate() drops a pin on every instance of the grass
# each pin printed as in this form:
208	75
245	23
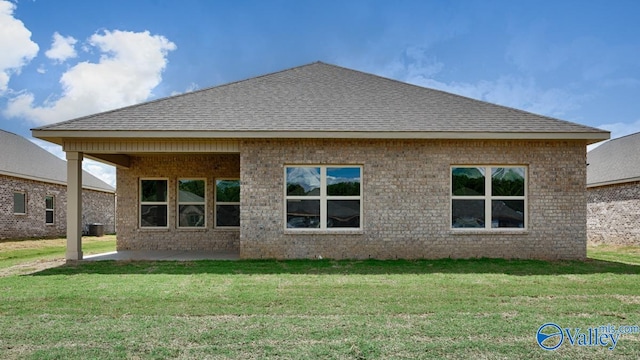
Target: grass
479	308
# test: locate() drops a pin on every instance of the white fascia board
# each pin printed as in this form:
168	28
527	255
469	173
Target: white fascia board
52	181
56	136
613	182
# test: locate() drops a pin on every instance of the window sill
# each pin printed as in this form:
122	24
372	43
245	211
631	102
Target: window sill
506	231
324	232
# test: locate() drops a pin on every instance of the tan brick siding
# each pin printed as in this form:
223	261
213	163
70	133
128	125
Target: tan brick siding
173	167
613	214
98	207
406	187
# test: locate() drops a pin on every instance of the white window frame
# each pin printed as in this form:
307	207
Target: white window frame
51	210
216	202
203	203
142	203
24	197
323	198
488	197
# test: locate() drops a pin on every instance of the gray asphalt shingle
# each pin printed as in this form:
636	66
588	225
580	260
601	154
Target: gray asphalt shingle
21	158
320	98
617	160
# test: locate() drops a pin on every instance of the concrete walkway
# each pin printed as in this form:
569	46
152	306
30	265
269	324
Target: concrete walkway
163	255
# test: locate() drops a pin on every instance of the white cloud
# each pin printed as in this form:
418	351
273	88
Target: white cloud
416	66
102	171
129	68
15	42
62	48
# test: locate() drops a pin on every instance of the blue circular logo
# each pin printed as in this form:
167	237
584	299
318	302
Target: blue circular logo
550	336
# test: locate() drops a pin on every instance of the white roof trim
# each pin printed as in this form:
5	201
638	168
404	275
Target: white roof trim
613	182
51	181
56	136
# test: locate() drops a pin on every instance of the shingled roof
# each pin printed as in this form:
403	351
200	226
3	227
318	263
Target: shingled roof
21	158
319	101
616	161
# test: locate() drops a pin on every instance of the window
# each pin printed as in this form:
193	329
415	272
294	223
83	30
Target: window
49	209
191	203
227	203
488	197
19	203
323	197
153	203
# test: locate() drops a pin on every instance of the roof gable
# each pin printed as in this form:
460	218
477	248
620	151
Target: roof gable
615	161
317	99
21	158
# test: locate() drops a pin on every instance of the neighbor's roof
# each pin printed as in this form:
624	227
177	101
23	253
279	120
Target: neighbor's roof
319	101
21	158
616	161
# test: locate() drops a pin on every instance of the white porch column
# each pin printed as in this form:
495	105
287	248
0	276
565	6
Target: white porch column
74	206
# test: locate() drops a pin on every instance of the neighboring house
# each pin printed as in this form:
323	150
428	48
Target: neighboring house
613	188
321	160
33	192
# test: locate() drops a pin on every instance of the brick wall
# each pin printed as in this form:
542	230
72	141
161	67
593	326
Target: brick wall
613	214
406	201
98	207
173	167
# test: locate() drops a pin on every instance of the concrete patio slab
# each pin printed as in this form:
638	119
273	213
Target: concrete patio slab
155	255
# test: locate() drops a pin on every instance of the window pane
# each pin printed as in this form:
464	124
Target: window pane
467	214
153	215
228	215
303	213
507	213
507	181
49	217
191	216
227	190
343	181
191	191
153	190
343	213
49	202
19	203
467	181
303	181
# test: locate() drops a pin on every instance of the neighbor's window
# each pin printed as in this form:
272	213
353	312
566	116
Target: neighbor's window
191	203
153	203
488	197
323	197
19	203
227	203
49	209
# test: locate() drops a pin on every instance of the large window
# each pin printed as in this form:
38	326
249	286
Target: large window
153	203
49	210
227	203
191	203
488	197
323	197
19	203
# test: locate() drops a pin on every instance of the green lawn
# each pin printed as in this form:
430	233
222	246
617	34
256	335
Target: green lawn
318	309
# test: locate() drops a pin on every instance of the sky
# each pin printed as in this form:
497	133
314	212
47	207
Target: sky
575	60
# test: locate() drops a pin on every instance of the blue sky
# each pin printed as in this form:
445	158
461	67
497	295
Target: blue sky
574	60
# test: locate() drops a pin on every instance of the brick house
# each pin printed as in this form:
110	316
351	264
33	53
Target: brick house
321	160
613	192
33	192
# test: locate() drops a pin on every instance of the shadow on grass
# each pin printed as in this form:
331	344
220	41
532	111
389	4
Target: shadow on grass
341	267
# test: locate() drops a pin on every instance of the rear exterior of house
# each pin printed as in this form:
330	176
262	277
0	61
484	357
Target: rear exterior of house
33	193
613	192
323	161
